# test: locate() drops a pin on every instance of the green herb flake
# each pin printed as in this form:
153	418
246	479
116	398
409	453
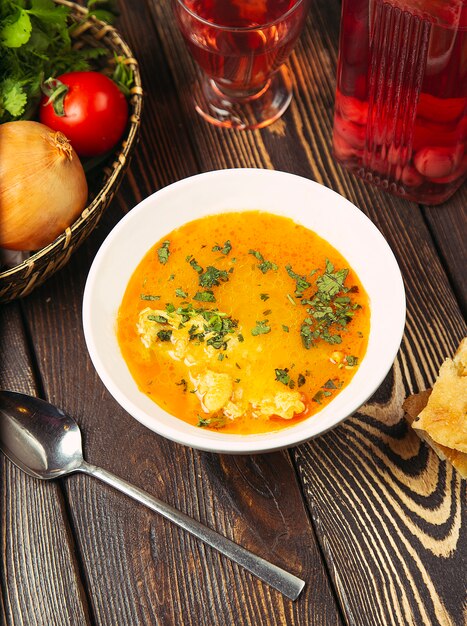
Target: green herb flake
329	310
264	265
301	380
264	296
163	252
212	277
267	312
261	328
169	307
240	337
164	335
318	397
352	361
194	264
291	300
282	376
285	328
180	293
300	281
226	248
204	296
329	384
183	384
147	296
215	421
158	318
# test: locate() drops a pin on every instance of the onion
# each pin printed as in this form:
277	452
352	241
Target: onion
43	187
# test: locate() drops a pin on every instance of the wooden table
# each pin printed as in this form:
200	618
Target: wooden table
366	514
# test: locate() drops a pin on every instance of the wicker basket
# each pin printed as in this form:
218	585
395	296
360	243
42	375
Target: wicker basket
20	280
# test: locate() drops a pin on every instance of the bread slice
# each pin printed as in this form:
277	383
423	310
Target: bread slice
440	415
412	407
444	418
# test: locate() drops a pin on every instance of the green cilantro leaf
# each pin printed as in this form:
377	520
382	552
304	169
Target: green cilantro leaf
204	296
261	328
163	252
264	266
225	249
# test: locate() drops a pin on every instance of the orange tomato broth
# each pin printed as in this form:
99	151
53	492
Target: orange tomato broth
251	363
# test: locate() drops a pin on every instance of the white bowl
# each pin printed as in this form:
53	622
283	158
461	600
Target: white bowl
316	207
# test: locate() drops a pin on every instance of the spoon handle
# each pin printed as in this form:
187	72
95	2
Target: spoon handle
283	581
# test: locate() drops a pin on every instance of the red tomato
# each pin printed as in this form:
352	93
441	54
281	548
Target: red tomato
96	112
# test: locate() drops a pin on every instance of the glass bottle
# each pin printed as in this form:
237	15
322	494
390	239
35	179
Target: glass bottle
401	101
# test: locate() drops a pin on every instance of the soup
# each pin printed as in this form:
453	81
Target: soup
243	322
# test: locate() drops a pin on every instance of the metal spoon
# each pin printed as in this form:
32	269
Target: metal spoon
45	443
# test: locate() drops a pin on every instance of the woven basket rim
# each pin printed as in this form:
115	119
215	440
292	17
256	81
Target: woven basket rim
106	34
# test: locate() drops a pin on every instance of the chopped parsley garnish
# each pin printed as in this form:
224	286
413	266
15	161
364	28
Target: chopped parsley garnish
204	296
300	281
164	335
267	312
216	421
264	296
282	375
261	328
351	360
318	397
264	265
227	247
240	337
291	300
180	293
301	380
183	384
194	264
220	357
163	252
147	296
169	307
328	309
158	318
213	277
285	328
330	384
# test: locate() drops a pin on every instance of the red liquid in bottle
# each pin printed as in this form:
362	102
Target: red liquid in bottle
241	62
401	102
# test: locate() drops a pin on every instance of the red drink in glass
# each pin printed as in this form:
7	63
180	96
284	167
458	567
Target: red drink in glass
401	101
240	45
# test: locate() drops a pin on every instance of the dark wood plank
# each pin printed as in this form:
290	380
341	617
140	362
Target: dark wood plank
366	483
39	575
448	225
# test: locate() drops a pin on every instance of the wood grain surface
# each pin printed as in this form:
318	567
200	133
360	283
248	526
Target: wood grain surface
35	534
366	514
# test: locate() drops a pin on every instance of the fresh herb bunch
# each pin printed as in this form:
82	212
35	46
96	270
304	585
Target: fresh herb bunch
35	44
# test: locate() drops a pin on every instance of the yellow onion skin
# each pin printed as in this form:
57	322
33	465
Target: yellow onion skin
43	186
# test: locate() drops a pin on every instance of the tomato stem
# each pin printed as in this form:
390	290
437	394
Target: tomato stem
56	92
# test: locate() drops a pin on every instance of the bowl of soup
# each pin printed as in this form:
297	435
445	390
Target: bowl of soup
243	311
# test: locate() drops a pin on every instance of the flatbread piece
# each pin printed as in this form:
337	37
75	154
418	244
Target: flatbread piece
412	407
444	418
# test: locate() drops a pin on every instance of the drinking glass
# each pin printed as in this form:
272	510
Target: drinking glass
401	101
241	47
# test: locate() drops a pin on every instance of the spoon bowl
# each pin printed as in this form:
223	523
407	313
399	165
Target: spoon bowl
46	443
38	437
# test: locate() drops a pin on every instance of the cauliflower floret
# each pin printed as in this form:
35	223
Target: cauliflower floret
285	404
214	390
147	328
184	345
